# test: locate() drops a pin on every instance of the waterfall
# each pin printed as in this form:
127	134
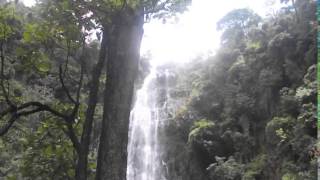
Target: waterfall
144	162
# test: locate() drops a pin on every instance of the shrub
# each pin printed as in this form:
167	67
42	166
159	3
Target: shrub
255	167
279	129
198	126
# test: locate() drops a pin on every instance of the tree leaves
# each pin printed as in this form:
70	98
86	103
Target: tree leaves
35	33
9	23
236	25
239	18
37	60
43	66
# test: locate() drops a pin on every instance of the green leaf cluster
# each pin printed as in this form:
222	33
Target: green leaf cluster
198	126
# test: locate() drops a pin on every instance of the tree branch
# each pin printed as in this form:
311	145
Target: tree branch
17	112
5	129
43	107
72	135
66	90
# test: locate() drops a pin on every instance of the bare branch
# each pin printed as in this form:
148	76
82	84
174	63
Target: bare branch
67	60
71	134
17	112
66	90
43	107
5	129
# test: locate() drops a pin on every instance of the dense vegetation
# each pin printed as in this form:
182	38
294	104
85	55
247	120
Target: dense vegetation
52	77
250	111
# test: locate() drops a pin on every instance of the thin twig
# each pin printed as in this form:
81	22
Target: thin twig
66	90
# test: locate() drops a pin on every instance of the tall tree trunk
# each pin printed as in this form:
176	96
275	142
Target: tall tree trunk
122	67
81	169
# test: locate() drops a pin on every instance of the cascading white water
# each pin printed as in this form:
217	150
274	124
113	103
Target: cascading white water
144	161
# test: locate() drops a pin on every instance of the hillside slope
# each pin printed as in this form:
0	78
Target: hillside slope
249	112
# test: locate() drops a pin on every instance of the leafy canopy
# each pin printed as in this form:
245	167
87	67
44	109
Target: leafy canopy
239	18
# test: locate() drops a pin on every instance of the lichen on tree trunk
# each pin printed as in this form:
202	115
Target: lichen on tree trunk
122	68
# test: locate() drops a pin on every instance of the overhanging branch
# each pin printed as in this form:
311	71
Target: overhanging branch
24	110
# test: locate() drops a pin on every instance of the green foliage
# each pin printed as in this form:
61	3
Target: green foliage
37	146
198	126
49	154
238	64
260	87
36	33
289	176
236	25
255	167
303	92
33	60
9	23
254	45
11	147
279	129
291	170
228	170
280	40
203	123
239	87
239	18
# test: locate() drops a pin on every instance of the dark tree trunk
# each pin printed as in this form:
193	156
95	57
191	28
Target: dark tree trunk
122	68
81	169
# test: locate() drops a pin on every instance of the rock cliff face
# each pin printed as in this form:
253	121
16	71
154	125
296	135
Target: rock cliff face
248	112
